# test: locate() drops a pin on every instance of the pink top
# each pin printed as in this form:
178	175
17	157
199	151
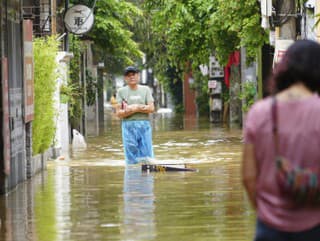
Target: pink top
299	139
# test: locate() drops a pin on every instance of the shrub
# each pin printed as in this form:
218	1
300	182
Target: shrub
45	75
248	95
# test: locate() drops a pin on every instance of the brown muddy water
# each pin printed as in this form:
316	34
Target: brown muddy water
93	196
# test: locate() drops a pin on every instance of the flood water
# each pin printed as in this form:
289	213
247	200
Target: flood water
93	196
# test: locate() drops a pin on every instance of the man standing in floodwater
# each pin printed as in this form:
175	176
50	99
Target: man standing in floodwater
134	103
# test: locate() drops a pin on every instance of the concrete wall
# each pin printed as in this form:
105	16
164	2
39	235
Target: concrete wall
92	111
62	137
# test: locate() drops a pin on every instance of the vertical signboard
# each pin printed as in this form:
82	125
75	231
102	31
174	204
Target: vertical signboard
5	120
216	74
215	70
28	71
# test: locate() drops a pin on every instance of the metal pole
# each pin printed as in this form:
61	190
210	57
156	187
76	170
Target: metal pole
259	70
317	14
66	37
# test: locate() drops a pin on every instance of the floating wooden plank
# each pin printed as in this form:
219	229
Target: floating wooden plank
166	168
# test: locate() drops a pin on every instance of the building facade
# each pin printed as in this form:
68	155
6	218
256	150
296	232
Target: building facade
20	21
15	131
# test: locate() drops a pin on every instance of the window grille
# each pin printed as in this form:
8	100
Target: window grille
40	11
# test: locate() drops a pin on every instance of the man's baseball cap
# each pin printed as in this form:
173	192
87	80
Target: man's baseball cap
130	69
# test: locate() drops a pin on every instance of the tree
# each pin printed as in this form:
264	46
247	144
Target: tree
191	30
181	28
236	24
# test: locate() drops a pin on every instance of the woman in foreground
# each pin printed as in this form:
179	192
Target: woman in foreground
295	82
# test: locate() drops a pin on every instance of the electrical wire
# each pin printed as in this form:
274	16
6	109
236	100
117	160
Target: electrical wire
94	5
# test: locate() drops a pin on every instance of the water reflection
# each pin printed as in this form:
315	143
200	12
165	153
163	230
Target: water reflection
17	212
62	186
207	205
138	205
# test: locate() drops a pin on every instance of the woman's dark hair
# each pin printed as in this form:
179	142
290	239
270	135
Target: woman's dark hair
300	63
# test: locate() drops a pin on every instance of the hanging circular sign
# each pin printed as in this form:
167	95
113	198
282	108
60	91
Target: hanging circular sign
79	19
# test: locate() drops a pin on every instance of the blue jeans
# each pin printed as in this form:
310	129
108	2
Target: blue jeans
267	233
137	140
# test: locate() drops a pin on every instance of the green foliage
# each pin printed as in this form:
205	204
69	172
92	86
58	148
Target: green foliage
247	95
202	90
45	51
203	104
68	92
236	24
91	88
180	30
225	93
191	30
173	84
73	89
179	35
76	48
75	107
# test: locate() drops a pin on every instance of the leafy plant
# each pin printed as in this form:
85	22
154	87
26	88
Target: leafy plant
236	24
225	95
247	95
173	84
45	75
75	95
68	92
91	88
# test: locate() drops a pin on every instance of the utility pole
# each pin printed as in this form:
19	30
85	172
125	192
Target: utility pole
287	19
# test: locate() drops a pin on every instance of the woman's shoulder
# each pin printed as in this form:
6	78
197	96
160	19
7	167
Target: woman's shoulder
261	106
259	114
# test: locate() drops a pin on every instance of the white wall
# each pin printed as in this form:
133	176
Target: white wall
62	137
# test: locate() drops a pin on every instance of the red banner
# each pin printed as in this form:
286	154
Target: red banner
5	121
28	71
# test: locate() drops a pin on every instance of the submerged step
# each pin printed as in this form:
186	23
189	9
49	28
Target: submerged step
166	167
